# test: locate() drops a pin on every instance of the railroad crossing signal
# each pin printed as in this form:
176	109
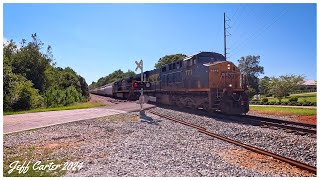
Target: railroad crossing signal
141	84
139	66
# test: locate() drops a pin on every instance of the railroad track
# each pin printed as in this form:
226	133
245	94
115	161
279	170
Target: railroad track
203	130
264	122
288	126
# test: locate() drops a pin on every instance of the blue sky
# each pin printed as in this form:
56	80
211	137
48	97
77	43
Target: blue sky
96	39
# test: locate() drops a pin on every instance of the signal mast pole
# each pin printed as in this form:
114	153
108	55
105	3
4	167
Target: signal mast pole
141	98
225	36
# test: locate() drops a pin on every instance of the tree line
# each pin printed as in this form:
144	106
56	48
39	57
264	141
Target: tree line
32	80
278	87
114	76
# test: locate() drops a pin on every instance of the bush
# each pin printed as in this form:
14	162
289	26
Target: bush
292	103
72	95
284	103
29	97
55	97
277	103
272	103
253	102
305	103
293	99
298	104
265	100
265	103
313	104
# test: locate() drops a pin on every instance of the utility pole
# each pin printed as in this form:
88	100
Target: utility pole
225	35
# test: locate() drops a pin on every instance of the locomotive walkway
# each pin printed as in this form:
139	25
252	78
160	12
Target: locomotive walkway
22	122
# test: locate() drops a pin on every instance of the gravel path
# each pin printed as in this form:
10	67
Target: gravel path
121	145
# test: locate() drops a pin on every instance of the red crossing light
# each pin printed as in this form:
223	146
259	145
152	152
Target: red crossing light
135	84
141	84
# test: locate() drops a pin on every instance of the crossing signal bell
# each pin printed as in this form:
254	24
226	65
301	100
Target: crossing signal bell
141	84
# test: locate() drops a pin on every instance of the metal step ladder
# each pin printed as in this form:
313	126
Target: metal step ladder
217	99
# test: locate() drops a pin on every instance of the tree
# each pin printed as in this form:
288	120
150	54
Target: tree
72	95
11	82
31	63
68	77
280	87
29	98
84	87
264	85
55	96
92	85
114	76
249	65
31	79
168	59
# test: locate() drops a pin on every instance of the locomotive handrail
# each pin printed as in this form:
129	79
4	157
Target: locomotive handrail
240	97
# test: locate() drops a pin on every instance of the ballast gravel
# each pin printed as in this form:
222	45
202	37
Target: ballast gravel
297	147
123	145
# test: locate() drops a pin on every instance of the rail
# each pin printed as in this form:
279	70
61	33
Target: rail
203	130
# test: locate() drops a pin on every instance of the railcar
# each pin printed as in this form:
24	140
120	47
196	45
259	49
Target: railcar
204	80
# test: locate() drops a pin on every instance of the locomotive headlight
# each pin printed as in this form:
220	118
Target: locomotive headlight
230	85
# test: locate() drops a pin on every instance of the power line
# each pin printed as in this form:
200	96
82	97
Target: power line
236	11
266	27
239	17
243	34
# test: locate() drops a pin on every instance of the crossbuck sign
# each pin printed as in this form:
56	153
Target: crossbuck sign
139	65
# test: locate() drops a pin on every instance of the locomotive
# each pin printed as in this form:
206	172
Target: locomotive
205	80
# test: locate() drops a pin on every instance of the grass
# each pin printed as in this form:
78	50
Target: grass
284	110
310	97
26	154
74	106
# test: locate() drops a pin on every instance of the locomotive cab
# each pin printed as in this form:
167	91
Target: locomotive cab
227	88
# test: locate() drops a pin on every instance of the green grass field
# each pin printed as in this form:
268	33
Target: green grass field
74	106
284	110
310	97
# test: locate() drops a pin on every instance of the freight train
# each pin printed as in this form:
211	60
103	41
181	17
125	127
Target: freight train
204	80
